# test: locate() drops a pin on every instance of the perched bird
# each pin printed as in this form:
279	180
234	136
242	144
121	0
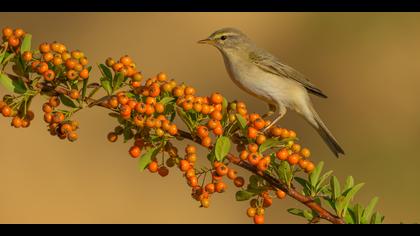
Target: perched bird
262	75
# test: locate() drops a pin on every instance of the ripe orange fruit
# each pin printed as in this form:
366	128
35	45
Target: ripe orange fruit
232	174
202	131
193	181
252	133
303	163
218	130
220	187
72	136
280	194
54	101
42	68
13	41
44	47
184	165
276	131
254	158
7	32
296	147
27	56
282	154
216	98
162	77
251	212
126	60
49	75
309	167
216	115
210	188
190	149
206	141
252	147
74	94
259	123
153	167
84	74
259	219
16	122
267	202
260	139
305	153
71	74
222	170
244	155
293	159
135	151
173	130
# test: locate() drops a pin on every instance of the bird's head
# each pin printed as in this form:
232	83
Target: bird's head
227	38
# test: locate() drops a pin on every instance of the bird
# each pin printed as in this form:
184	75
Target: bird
262	75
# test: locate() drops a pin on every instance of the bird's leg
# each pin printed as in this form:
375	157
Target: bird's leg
271	110
282	112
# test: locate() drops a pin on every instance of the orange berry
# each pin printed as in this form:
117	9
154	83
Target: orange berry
220	187
267	202
162	77
153	167
251	212
74	94
303	163
216	115
54	101
7	32
254	158
206	141
244	155
151	100
58	117
125	111
117	67
282	154
210	188
189	90
202	131
44	47
259	219
48	56
27	56
19	32
262	165
126	60
309	167
252	147
218	130
252	133
192	182
173	130
232	174
253	117
135	151
190	149
71	74
305	153
276	131
296	147
216	98
284	133
42	67
13	41
280	194
154	90
259	123
187	105
72	136
84	74
292	134
16	122
222	170
260	139
293	159
49	75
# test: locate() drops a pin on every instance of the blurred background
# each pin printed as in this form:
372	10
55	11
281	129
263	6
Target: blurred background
367	63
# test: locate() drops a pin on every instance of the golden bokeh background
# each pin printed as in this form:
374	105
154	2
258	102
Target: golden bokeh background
367	63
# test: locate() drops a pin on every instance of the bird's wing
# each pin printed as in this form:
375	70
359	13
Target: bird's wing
272	65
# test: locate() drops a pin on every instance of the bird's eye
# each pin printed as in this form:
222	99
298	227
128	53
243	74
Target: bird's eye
223	37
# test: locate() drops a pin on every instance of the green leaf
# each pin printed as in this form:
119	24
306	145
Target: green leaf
241	120
285	172
146	158
224	105
16	86
349	196
67	101
26	43
243	195
349	218
118	80
322	179
377	218
166	100
128	133
211	156
349	183
106	72
335	187
296	212
222	147
2	54
254	180
358	211
314	175
269	143
106	85
367	213
308	215
303	182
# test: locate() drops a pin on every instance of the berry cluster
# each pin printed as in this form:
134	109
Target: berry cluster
127	67
20	119
55	62
13	38
58	121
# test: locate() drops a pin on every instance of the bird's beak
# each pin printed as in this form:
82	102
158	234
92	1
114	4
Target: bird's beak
206	41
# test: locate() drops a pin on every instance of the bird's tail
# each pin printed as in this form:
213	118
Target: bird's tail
325	133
